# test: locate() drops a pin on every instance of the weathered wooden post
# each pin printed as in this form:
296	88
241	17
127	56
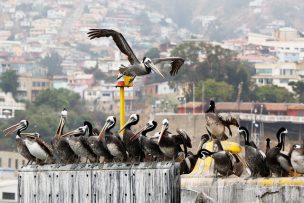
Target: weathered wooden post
115	182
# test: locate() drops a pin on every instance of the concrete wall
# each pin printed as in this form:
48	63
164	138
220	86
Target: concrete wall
238	190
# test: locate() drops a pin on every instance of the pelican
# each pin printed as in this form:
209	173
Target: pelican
62	150
136	68
255	158
225	163
133	147
20	144
187	165
169	144
148	145
216	122
79	143
112	141
278	162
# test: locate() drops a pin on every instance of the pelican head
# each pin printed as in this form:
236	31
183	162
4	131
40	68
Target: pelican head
21	126
110	123
149	65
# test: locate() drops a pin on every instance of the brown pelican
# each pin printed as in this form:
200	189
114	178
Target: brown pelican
133	147
36	146
39	148
98	146
278	162
169	144
216	122
149	147
62	150
79	143
187	165
225	163
20	144
136	68
113	142
255	158
297	158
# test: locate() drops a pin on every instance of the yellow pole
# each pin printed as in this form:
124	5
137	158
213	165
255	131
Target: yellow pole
122	107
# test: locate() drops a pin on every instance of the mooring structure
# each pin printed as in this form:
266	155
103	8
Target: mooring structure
113	182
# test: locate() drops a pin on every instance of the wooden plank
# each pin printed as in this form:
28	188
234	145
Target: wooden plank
114	182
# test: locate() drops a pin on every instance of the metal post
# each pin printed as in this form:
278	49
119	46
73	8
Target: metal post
122	107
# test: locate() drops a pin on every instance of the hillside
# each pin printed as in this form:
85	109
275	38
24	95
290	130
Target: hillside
232	18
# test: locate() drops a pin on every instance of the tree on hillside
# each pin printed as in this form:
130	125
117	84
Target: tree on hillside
273	93
153	53
298	88
53	63
218	90
58	98
9	81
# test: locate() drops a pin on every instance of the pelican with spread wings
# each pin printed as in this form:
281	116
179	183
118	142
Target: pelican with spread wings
136	68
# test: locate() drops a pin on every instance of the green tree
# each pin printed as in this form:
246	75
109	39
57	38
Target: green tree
298	88
43	115
218	90
273	93
9	81
53	63
153	53
57	98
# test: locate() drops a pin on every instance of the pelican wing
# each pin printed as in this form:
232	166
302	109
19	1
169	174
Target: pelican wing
45	146
119	40
176	63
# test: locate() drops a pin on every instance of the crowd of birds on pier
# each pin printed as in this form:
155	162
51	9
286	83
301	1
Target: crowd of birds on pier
105	146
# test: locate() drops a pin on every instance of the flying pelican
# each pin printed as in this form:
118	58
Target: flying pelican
136	68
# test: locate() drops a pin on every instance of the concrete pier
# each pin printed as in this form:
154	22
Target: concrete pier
238	190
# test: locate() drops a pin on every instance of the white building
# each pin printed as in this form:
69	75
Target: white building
8	105
285	43
279	74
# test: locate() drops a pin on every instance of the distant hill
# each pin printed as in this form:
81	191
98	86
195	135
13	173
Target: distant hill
232	17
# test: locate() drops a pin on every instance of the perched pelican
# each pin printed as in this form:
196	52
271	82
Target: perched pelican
187	165
255	158
267	144
62	150
20	144
133	147
278	162
79	143
169	144
99	147
40	149
113	142
297	158
148	145
216	122
225	163
136	68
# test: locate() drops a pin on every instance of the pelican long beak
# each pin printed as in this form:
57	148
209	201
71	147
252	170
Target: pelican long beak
106	125
162	132
156	70
11	129
73	132
125	125
137	135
